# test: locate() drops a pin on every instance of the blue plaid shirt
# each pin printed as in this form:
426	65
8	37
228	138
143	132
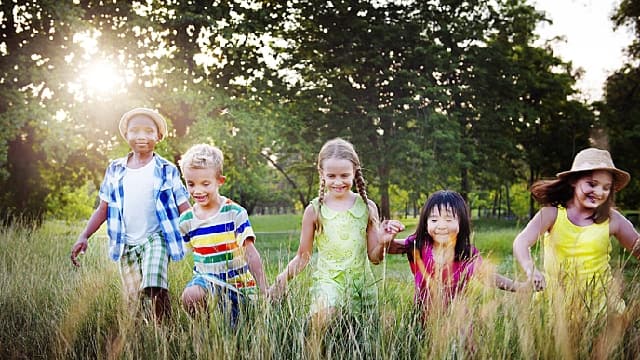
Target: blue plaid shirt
169	192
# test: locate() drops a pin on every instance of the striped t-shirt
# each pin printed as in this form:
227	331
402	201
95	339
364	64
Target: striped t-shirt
217	244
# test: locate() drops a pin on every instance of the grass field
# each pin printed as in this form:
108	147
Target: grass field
51	310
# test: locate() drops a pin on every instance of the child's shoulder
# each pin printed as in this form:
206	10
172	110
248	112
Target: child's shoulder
187	215
161	161
231	205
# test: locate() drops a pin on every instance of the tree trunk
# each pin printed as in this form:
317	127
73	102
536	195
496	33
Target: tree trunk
531	200
464	184
385	207
508	200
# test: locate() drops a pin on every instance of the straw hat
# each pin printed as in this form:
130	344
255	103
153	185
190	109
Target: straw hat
595	159
161	123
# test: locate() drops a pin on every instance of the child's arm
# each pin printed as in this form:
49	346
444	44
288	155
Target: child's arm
487	272
397	246
184	207
95	221
303	255
537	226
380	235
255	265
504	283
625	232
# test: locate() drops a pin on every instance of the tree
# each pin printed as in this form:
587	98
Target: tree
620	111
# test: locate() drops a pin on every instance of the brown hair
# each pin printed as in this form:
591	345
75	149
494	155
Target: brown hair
340	149
559	191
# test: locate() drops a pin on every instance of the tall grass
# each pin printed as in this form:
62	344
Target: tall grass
48	309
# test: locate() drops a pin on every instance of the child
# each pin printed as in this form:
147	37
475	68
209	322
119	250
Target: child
345	228
218	231
577	219
440	253
141	198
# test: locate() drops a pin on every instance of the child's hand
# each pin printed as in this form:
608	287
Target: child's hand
388	231
78	249
392	226
277	290
536	278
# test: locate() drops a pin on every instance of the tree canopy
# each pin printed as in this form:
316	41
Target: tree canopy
437	94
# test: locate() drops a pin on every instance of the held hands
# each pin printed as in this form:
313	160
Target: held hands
78	249
278	289
388	230
536	278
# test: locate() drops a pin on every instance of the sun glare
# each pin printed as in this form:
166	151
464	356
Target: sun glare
101	78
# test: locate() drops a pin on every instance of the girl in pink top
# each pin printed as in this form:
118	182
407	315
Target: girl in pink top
440	253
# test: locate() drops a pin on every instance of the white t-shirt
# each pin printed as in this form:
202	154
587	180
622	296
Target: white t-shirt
140	218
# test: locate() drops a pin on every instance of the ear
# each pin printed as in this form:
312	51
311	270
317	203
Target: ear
221	180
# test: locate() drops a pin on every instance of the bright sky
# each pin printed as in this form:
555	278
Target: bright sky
590	43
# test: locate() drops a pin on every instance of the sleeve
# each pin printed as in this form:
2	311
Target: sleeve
409	241
180	191
243	226
185	227
105	187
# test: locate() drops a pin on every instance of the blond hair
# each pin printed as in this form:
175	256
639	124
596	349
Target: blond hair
341	149
203	156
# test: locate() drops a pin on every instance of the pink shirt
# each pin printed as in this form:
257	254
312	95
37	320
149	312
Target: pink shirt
454	278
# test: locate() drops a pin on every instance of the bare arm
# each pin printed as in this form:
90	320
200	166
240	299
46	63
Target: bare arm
255	265
623	230
397	246
380	235
504	283
95	221
303	255
541	223
487	272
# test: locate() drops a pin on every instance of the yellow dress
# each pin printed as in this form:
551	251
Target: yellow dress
576	260
343	276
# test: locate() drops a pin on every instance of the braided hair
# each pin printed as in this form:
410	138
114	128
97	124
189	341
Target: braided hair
339	148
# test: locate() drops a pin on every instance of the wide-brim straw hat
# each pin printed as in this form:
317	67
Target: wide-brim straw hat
161	123
596	159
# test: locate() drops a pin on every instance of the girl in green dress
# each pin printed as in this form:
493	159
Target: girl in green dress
347	233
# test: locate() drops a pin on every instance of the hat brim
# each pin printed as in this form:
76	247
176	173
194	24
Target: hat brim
621	180
160	122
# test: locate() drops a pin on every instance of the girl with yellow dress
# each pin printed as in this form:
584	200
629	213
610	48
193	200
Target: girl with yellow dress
576	221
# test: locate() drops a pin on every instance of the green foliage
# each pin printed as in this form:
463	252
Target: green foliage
72	203
433	95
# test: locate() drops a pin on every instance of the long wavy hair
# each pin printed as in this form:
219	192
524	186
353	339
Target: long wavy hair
559	191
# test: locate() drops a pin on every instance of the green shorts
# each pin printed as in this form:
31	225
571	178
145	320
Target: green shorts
145	265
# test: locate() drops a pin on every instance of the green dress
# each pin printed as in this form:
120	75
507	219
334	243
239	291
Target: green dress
343	276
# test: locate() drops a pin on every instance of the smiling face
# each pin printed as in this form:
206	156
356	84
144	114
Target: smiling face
142	134
443	226
203	185
338	175
593	190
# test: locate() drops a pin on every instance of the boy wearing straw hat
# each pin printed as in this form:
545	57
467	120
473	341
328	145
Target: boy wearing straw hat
141	199
576	220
